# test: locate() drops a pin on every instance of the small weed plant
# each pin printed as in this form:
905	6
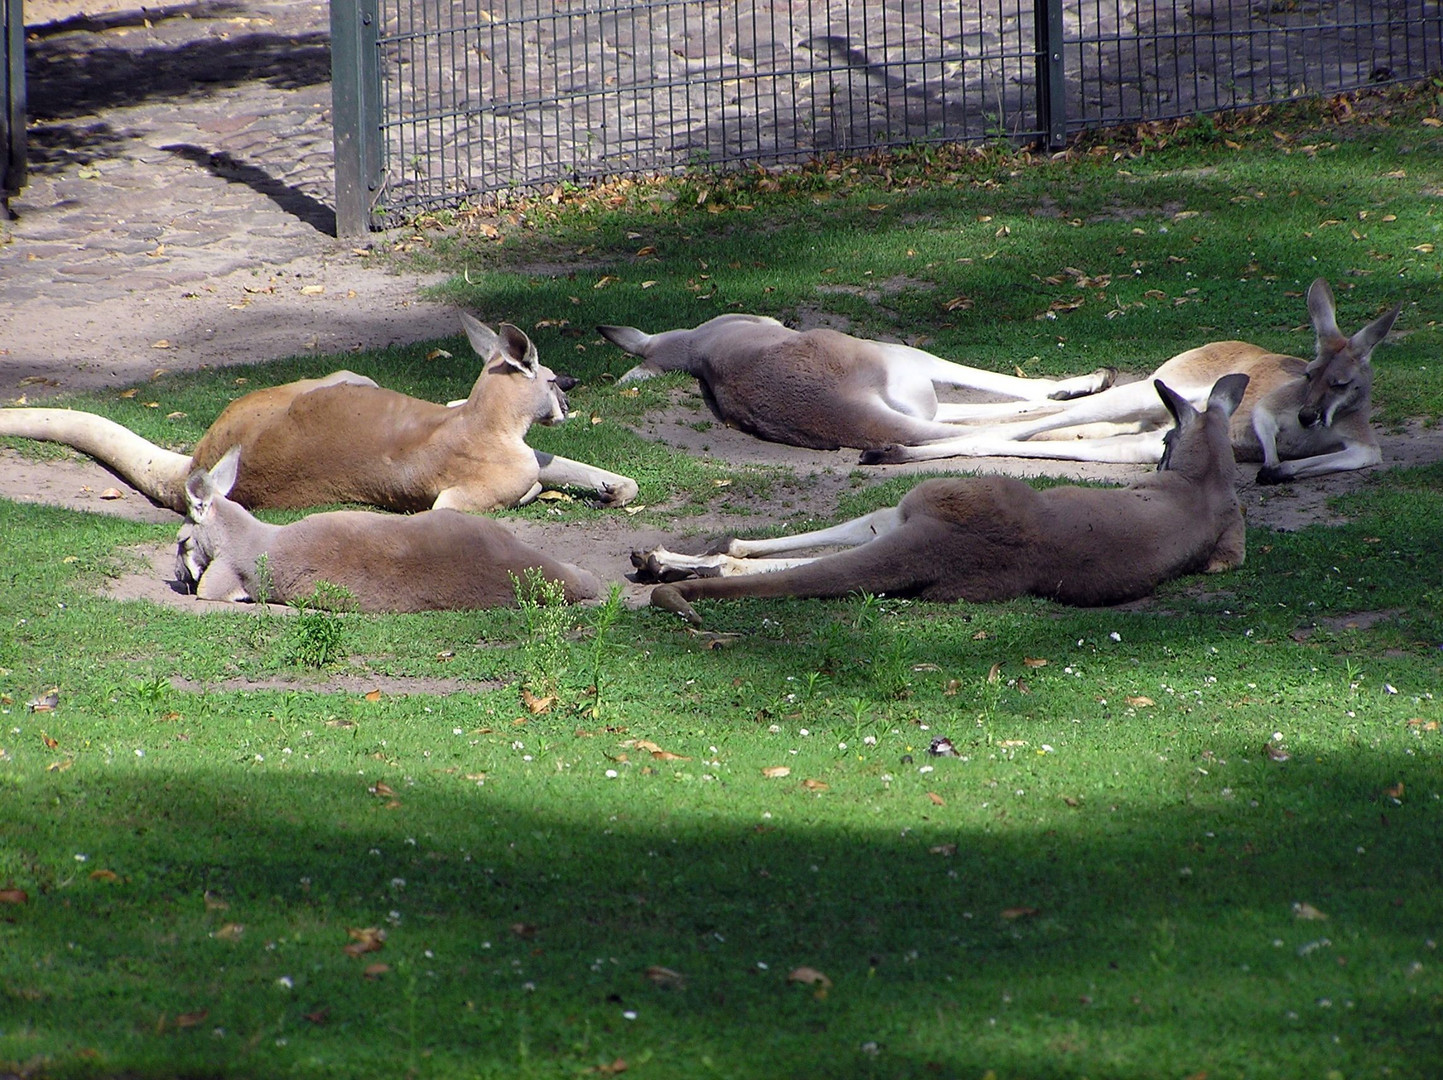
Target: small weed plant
316	636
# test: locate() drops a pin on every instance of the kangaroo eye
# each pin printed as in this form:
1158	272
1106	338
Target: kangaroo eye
1342	384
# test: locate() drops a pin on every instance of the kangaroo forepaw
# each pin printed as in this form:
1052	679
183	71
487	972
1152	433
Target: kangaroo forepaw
1273	474
650	568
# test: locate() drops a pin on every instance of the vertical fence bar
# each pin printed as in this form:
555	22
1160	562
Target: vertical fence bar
1051	87
355	113
12	98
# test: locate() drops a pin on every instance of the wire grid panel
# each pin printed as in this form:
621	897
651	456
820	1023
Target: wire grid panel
1133	60
485	97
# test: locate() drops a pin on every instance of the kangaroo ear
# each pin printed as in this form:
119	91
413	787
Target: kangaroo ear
1365	339
203	488
1323	311
1227	393
1178	405
517	351
481	336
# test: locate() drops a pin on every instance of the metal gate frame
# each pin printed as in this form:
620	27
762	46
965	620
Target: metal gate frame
12	100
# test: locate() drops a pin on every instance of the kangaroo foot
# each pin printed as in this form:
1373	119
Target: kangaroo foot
1105	377
886	455
668	599
1273	474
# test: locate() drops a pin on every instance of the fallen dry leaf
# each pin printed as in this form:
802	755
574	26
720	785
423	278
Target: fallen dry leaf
50	743
815	785
936	799
104	875
319	1017
809	976
665	977
943	849
375	971
524	930
1033	662
537	705
364	941
1018	912
1394	792
231	931
1140	702
617	1066
112	493
12	895
776	772
191	1019
373	695
1307	912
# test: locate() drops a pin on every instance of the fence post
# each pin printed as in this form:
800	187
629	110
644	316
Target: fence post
355	113
1051	84
12	99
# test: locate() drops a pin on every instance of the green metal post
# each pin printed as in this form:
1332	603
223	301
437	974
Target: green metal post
12	98
355	113
1051	84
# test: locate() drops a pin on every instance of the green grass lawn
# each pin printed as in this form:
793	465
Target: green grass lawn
1196	838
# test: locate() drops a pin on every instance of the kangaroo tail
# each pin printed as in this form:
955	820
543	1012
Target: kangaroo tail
157	472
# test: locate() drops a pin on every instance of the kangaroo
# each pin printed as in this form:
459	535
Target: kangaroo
1299	419
992	537
432	561
342	438
823	389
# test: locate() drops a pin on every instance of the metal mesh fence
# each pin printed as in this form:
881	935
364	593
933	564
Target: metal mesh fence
483	97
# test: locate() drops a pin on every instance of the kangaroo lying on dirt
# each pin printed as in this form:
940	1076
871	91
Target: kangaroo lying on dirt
342	438
993	537
1299	419
823	389
432	561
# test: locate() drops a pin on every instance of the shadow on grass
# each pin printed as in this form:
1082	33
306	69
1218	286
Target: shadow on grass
1124	939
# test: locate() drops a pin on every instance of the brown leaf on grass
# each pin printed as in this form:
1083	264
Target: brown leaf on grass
60	766
524	930
1275	753
373	695
363	941
191	1019
776	772
1033	662
231	931
320	1017
375	971
214	902
11	895
952	688
936	799
1306	911
1018	913
617	1066
110	494
1394	792
815	785
946	850
382	790
344	725
537	705
1140	702
104	875
50	743
994	672
665	977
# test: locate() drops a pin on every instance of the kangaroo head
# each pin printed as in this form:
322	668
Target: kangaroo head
533	390
1340	380
196	543
1199	441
